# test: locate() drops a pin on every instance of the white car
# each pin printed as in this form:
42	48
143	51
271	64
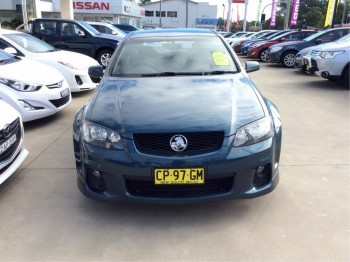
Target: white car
331	60
106	28
35	90
73	66
12	152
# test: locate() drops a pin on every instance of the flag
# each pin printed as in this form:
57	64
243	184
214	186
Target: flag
273	13
295	12
330	13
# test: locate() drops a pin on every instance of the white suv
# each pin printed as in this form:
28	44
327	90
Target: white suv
331	61
12	153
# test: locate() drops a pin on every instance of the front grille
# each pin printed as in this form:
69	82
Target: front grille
60	102
142	188
55	85
313	63
15	128
198	143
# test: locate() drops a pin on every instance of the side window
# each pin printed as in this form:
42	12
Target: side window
46	28
292	37
71	29
307	34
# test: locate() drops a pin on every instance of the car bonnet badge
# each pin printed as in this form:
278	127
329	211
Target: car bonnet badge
7	131
178	143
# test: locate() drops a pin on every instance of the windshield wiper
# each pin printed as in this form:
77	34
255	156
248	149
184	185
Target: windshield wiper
218	72
174	74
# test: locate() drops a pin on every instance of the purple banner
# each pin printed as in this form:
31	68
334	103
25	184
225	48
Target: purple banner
295	12
273	13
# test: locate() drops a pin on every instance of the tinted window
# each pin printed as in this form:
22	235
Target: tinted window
175	54
46	28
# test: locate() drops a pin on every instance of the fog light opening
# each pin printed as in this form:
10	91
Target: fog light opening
78	80
262	175
95	181
28	106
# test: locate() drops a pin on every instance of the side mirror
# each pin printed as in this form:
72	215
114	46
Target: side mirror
251	66
96	73
81	33
114	33
318	41
282	39
10	50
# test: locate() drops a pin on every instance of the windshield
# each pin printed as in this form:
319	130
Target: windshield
6	58
30	43
173	56
276	34
89	28
345	38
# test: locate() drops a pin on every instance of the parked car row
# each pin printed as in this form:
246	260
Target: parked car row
38	76
312	51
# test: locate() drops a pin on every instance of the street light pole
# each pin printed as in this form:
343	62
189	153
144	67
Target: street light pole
223	18
160	13
260	24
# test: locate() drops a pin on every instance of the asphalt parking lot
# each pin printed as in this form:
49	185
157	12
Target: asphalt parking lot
44	217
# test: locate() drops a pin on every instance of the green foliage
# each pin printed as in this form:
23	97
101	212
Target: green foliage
145	1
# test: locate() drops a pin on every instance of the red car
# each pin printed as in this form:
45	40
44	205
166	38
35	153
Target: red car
259	49
237	46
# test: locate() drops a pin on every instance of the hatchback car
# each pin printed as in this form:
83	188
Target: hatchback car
12	152
73	66
184	124
33	89
285	53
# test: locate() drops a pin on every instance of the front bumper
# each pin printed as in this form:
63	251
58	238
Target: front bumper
274	57
128	175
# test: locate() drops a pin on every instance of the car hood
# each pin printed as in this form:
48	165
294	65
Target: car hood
177	104
109	36
78	61
332	46
31	72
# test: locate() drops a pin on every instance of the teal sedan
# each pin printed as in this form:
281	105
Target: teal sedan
176	119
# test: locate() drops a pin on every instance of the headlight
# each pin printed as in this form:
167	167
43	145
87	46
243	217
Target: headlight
20	86
67	65
254	132
275	49
101	136
330	54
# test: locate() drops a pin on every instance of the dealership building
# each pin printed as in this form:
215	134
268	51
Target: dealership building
165	13
116	11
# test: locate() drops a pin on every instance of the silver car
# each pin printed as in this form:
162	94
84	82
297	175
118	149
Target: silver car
331	61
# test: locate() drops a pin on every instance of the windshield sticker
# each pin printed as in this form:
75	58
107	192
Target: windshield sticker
220	59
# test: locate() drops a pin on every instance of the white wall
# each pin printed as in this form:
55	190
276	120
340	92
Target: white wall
195	10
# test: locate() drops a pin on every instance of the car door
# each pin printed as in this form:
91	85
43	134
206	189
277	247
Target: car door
75	38
47	31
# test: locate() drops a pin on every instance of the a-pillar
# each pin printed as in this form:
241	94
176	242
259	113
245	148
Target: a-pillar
67	9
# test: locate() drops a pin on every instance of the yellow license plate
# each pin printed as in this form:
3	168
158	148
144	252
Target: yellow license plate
179	176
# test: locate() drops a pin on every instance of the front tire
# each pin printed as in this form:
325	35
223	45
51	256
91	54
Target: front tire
288	59
104	56
263	55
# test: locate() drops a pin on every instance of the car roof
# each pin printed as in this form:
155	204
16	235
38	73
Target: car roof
177	32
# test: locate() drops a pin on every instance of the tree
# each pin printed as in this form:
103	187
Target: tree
145	1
